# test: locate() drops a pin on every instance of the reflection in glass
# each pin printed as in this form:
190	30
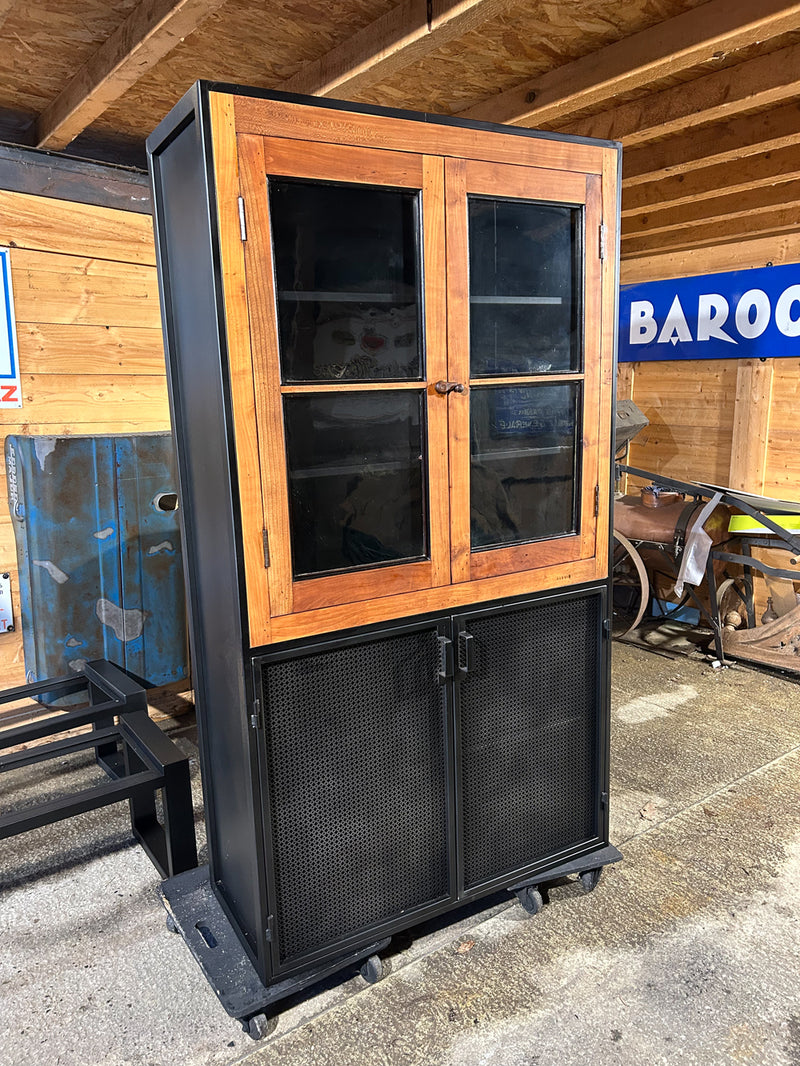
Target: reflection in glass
525	287
347	275
523	481
357	486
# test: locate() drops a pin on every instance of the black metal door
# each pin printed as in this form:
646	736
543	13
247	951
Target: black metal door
357	789
528	734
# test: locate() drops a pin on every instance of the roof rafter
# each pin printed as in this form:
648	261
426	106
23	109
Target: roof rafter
781	220
766	81
149	33
402	36
682	42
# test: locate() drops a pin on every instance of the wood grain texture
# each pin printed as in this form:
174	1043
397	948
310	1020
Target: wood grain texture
240	362
267	381
150	32
49	225
57	288
445	597
751	416
772	221
313	159
728	255
404	35
458	366
295	121
662	51
90	398
58	348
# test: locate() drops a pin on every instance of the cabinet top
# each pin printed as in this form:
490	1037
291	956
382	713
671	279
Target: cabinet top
195	101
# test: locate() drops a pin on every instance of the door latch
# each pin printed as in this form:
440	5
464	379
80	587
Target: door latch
444	388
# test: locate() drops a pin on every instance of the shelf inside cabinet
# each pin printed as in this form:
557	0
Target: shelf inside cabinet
550	301
307	296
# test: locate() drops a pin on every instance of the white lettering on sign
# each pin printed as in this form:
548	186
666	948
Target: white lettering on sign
752	315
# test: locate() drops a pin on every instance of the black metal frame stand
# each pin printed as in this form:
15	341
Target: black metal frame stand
135	754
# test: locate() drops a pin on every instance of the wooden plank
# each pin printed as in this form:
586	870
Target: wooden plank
782	475
731	255
56	348
660	51
458	365
68	428
448	597
434	264
279	119
149	33
739	176
274	513
719	142
240	356
48	225
774	222
749	204
751	418
91	398
309	159
404	35
766	81
65	289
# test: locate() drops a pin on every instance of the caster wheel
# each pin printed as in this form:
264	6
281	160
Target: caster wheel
372	969
259	1026
590	878
531	899
172	925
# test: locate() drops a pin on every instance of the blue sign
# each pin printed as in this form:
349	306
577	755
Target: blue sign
752	314
10	391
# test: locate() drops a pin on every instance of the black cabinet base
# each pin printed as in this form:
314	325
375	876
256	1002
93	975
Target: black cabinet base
194	911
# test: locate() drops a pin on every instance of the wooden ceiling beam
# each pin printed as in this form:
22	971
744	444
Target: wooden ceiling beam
768	81
149	33
721	142
753	172
680	43
720	208
5	9
399	38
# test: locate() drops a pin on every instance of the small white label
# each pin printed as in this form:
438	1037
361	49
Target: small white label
6	607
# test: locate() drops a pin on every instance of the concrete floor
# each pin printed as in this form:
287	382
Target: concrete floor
687	952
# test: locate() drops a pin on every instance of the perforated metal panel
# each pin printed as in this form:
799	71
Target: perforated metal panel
528	735
357	779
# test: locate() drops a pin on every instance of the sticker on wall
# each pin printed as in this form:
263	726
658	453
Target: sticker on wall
10	389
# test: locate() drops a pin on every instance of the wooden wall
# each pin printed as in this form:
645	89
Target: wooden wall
727	421
89	332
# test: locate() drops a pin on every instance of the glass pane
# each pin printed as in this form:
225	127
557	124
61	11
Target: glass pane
524	481
347	275
357	486
525	287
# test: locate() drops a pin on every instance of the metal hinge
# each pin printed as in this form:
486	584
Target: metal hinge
257	717
603	239
242	223
265	538
596	500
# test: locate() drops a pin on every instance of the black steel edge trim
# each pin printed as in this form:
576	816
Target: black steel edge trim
38	172
204	87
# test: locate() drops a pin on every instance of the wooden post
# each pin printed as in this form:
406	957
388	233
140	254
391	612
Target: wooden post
751	425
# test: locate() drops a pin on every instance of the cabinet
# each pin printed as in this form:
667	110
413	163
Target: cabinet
390	343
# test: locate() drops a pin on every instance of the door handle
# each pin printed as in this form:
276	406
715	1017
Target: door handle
466	654
446	387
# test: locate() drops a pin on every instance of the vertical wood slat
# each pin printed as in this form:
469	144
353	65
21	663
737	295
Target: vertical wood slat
226	166
751	417
266	374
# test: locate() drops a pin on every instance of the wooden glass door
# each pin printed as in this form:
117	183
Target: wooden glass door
524	366
348	342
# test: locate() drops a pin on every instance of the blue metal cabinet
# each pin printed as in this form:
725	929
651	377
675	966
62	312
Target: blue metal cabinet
99	553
